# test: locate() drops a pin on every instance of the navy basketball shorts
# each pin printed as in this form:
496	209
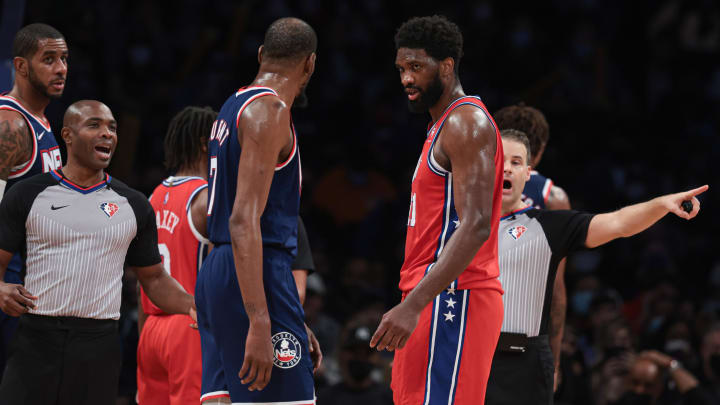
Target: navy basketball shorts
224	324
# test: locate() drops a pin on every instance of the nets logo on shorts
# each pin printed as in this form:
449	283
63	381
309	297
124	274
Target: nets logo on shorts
286	350
517	231
109	209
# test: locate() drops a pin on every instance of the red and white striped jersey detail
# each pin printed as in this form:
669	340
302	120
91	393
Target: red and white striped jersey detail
433	219
182	248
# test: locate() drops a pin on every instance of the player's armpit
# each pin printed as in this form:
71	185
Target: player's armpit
558	199
15	142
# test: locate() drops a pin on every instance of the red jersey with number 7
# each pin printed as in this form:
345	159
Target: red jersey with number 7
181	246
433	219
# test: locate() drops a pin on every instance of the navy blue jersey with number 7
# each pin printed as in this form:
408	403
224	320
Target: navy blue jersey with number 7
278	223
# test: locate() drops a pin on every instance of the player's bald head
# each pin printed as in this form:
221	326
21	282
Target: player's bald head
82	109
289	38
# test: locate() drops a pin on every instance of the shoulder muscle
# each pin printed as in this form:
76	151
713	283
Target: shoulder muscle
15	142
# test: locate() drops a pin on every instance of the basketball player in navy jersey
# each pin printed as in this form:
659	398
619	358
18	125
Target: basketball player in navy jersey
254	341
27	143
540	192
446	328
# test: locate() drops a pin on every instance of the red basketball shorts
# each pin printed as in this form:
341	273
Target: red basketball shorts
169	361
447	358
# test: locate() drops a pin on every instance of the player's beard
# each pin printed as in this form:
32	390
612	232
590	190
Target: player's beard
38	85
301	101
428	97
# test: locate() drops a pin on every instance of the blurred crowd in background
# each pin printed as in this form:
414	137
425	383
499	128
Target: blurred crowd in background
632	94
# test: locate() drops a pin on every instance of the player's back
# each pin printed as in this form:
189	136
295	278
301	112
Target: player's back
181	246
537	190
278	223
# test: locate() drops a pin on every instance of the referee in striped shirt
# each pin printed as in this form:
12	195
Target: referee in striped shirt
76	228
531	244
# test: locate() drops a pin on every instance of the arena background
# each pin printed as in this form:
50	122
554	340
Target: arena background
631	91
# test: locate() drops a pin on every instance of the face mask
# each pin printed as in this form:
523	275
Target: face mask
359	369
715	365
677	345
631	398
581	302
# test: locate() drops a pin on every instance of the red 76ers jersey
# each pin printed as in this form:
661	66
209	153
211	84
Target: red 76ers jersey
181	246
433	219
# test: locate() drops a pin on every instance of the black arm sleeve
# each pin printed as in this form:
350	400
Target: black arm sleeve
566	230
143	250
304	259
14	210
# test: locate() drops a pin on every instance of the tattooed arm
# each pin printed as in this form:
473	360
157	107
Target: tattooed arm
15	144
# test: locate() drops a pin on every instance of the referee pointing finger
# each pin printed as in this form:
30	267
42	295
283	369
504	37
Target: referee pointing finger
76	228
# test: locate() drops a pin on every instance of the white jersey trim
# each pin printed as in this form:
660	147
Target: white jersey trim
194	231
305	402
42	122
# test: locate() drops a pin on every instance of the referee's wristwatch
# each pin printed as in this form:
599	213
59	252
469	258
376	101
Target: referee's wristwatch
674	365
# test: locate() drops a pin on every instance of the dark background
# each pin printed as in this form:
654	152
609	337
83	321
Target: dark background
631	91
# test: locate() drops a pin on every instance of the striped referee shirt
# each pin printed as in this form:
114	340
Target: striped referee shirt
75	241
532	243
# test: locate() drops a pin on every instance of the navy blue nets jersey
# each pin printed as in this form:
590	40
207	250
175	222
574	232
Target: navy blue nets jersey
537	190
45	154
279	221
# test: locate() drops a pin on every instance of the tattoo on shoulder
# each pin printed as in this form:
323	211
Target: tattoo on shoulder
15	145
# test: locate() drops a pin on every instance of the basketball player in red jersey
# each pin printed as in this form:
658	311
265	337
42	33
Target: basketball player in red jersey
169	359
446	328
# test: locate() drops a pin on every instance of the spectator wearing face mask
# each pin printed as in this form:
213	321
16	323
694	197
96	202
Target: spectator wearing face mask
648	378
710	356
357	362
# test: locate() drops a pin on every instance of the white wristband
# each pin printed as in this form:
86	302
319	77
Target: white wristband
2	188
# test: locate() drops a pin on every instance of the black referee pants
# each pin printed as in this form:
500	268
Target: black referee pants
62	361
522	378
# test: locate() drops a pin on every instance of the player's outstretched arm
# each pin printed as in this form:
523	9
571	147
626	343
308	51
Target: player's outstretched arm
467	146
164	291
636	218
265	129
15	144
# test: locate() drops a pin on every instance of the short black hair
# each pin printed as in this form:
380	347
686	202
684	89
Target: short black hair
289	38
26	40
527	119
188	131
438	36
517	136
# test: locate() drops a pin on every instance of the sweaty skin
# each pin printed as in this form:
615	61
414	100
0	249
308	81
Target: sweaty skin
467	146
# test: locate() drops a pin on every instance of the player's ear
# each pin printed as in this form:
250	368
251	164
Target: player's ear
65	134
447	67
310	64
527	173
260	52
21	66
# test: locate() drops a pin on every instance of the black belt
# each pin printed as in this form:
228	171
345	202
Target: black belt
66	322
518	342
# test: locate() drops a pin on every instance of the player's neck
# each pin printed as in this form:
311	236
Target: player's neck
82	176
192	171
29	98
284	85
451	93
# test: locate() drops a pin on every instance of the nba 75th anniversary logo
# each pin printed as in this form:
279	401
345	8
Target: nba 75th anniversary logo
286	350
